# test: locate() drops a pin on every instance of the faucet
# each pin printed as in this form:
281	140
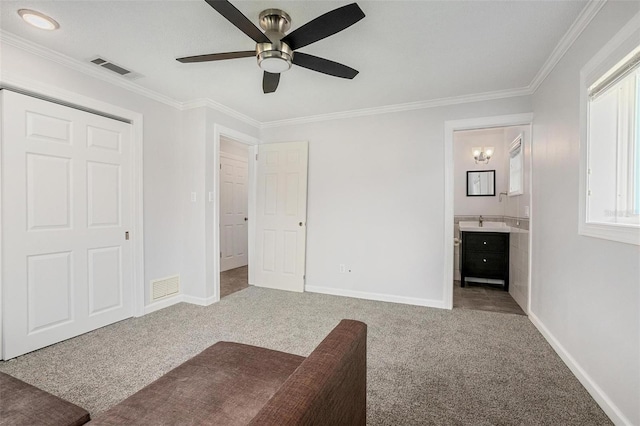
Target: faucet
480	220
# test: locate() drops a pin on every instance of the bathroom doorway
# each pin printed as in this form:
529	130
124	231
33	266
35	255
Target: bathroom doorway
490	214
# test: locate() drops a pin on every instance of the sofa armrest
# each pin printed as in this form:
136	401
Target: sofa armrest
329	387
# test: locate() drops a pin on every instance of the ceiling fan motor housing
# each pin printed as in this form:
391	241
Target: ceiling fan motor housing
276	56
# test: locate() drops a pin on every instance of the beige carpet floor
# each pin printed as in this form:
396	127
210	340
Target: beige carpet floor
425	366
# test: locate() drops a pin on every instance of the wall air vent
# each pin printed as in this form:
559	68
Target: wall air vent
104	63
165	287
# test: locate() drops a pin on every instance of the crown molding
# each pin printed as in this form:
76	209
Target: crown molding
572	34
582	21
209	103
455	100
99	73
96	72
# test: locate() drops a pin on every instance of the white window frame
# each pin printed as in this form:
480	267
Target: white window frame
516	157
611	54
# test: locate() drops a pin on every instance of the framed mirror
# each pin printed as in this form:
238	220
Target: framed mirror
481	183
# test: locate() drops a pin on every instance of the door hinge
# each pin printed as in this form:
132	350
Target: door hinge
220	166
126	235
220	255
256	157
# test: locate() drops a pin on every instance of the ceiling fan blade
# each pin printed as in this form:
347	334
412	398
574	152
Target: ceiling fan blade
324	66
233	15
324	26
217	56
270	82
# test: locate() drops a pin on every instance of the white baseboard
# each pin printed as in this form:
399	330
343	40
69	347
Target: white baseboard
165	303
161	304
594	390
375	296
200	301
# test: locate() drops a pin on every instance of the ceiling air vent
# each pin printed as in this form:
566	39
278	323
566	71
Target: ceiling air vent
104	63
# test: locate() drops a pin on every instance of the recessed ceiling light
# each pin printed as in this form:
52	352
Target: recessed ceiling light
38	20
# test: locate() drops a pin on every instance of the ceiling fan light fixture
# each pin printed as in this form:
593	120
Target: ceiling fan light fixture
38	20
274	64
273	58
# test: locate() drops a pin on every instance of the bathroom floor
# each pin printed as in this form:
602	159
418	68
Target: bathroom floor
484	297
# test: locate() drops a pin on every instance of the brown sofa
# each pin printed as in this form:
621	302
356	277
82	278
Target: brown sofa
237	384
23	404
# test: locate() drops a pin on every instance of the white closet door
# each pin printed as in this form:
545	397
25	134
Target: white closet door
234	172
281	206
66	182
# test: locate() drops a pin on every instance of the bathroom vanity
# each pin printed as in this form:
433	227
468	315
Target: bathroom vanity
485	251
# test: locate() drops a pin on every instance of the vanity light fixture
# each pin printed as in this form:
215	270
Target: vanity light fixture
482	154
38	20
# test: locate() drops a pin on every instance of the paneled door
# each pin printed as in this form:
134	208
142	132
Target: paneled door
233	211
66	209
281	215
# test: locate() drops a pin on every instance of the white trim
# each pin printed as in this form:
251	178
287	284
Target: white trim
590	385
1	227
208	103
137	200
582	21
615	49
179	298
164	303
213	177
86	68
375	296
450	127
107	76
455	100
200	301
621	233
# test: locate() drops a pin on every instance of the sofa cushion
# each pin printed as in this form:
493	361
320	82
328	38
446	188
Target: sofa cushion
226	384
23	404
329	387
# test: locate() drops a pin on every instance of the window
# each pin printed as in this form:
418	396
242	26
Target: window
516	166
612	158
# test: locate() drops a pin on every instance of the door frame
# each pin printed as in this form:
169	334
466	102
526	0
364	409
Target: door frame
450	127
213	177
71	99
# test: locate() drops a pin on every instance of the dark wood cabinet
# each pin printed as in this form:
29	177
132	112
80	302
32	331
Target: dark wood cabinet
485	255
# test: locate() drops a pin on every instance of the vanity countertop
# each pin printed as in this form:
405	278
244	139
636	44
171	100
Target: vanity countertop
474	226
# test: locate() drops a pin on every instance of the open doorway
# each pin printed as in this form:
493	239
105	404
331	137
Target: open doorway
487	234
491	219
234	215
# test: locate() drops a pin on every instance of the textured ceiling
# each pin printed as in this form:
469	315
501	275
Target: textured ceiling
406	51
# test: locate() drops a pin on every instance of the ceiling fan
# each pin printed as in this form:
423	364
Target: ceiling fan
275	49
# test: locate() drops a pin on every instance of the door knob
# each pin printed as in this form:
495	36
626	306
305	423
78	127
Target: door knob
299	223
245	219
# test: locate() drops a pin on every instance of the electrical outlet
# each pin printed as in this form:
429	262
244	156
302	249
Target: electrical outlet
193	197
343	268
526	211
